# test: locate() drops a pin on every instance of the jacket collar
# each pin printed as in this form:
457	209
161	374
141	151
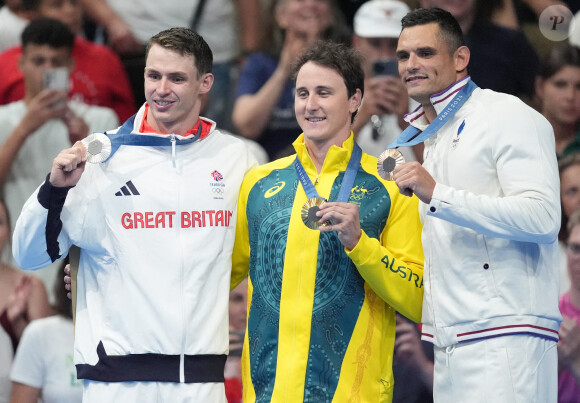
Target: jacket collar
439	101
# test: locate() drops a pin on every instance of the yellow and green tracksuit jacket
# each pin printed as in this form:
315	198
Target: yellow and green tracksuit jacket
321	319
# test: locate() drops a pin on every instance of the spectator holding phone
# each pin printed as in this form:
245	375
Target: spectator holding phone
97	77
377	25
35	129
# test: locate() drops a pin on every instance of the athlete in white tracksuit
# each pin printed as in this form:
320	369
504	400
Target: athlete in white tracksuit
490	210
490	230
156	228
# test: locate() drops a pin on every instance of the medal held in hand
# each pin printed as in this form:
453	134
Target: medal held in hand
312	206
387	163
98	147
309	210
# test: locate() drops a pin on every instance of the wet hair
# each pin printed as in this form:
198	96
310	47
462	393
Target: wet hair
449	29
341	58
186	42
558	57
48	31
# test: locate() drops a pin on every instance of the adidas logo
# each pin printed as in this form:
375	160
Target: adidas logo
129	190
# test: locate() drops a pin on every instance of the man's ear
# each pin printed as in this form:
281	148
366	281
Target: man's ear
461	56
206	83
355	101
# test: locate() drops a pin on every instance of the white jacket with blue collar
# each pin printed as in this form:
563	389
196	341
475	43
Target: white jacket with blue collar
155	225
490	231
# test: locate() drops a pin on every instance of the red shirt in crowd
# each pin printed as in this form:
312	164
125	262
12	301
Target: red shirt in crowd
98	78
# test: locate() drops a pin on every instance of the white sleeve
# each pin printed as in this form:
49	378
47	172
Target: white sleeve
29	242
523	152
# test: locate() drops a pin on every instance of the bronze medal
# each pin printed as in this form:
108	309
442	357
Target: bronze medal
387	162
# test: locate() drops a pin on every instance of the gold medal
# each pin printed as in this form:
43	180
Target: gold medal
309	211
98	147
387	162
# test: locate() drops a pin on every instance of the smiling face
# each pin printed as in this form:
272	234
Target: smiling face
426	65
322	105
173	90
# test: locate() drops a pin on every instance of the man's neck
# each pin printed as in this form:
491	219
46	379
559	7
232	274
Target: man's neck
429	109
28	97
317	154
430	112
180	128
317	150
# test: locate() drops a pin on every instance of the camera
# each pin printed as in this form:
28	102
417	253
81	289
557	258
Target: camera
387	67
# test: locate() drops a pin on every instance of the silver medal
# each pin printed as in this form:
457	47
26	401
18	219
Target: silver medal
98	147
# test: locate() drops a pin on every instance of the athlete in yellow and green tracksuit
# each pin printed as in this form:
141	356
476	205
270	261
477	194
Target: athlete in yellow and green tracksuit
321	319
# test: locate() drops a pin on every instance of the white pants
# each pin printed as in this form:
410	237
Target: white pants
153	392
510	369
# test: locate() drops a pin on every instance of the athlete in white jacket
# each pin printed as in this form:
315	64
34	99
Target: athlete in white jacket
491	213
155	224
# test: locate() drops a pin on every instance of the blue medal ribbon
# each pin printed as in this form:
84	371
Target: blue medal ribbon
347	181
124	137
411	135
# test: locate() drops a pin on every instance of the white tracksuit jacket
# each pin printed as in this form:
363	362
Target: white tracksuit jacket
490	231
156	233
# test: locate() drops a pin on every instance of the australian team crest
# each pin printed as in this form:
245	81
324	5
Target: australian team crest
357	194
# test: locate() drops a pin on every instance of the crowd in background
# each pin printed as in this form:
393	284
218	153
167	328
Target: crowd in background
254	43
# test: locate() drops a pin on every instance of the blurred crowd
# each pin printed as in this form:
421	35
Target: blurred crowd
100	45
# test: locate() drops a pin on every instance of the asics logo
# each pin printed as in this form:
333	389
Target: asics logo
278	186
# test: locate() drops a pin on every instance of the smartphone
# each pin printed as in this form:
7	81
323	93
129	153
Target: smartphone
388	67
56	79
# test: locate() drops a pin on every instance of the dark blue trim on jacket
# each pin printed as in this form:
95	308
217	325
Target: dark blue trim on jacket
52	198
153	368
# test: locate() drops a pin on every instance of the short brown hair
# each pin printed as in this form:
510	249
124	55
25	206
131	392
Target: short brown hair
185	41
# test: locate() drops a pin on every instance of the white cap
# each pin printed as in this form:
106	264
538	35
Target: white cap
380	19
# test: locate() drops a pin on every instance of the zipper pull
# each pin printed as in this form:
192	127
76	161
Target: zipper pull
173	141
316	181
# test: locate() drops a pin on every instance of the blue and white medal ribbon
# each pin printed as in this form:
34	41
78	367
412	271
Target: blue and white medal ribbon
101	146
411	135
314	202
